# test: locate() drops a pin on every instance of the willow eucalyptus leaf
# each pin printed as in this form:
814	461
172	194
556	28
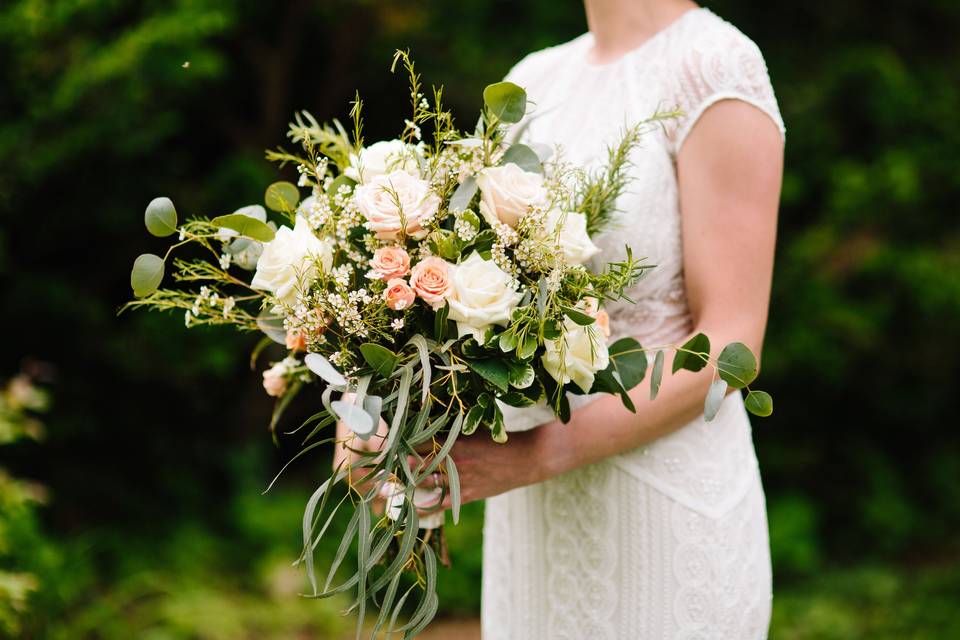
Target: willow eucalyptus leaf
463	194
453	480
322	368
160	218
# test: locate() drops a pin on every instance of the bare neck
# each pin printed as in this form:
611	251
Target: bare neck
621	25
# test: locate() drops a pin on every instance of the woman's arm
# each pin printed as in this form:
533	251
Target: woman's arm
729	174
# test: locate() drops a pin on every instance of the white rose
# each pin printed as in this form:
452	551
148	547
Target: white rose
507	193
481	295
422	498
576	355
292	259
383	157
572	237
396	200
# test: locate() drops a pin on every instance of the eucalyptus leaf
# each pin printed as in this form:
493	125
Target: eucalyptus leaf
524	157
282	196
272	326
759	403
463	194
715	396
440	326
338	182
453	480
699	343
245	226
381	359
322	368
147	274
354	417
737	365
657	376
373	405
506	101
160	217
629	360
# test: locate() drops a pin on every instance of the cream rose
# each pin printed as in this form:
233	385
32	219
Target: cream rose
381	158
389	263
430	278
423	498
570	231
508	192
291	260
395	201
576	355
481	295
398	294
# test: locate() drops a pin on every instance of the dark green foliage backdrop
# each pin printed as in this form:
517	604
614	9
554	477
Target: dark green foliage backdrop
156	446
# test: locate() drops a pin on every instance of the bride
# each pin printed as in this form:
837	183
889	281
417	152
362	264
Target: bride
647	525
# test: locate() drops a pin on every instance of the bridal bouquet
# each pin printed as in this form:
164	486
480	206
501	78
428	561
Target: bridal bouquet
423	284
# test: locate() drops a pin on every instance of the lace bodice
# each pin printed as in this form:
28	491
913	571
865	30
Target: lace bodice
690	65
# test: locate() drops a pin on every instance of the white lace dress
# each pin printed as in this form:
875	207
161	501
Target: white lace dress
669	540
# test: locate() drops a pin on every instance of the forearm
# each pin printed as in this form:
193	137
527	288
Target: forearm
605	427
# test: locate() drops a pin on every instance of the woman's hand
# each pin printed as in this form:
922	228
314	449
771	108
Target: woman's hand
487	469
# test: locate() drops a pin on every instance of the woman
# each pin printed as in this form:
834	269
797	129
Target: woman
647	525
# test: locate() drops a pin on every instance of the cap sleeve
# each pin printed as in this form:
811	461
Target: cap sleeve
725	66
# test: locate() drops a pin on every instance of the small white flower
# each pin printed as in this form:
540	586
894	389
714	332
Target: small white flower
397	324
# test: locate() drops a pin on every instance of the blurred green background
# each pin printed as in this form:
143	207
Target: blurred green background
138	514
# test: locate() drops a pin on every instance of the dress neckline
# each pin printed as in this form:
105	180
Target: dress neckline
588	39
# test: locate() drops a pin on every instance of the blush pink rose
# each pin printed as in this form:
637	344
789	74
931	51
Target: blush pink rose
275	381
390	262
398	294
296	340
430	278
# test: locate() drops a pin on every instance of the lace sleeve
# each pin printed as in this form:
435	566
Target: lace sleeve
725	65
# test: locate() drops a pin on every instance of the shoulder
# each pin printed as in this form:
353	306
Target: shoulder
710	60
537	65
